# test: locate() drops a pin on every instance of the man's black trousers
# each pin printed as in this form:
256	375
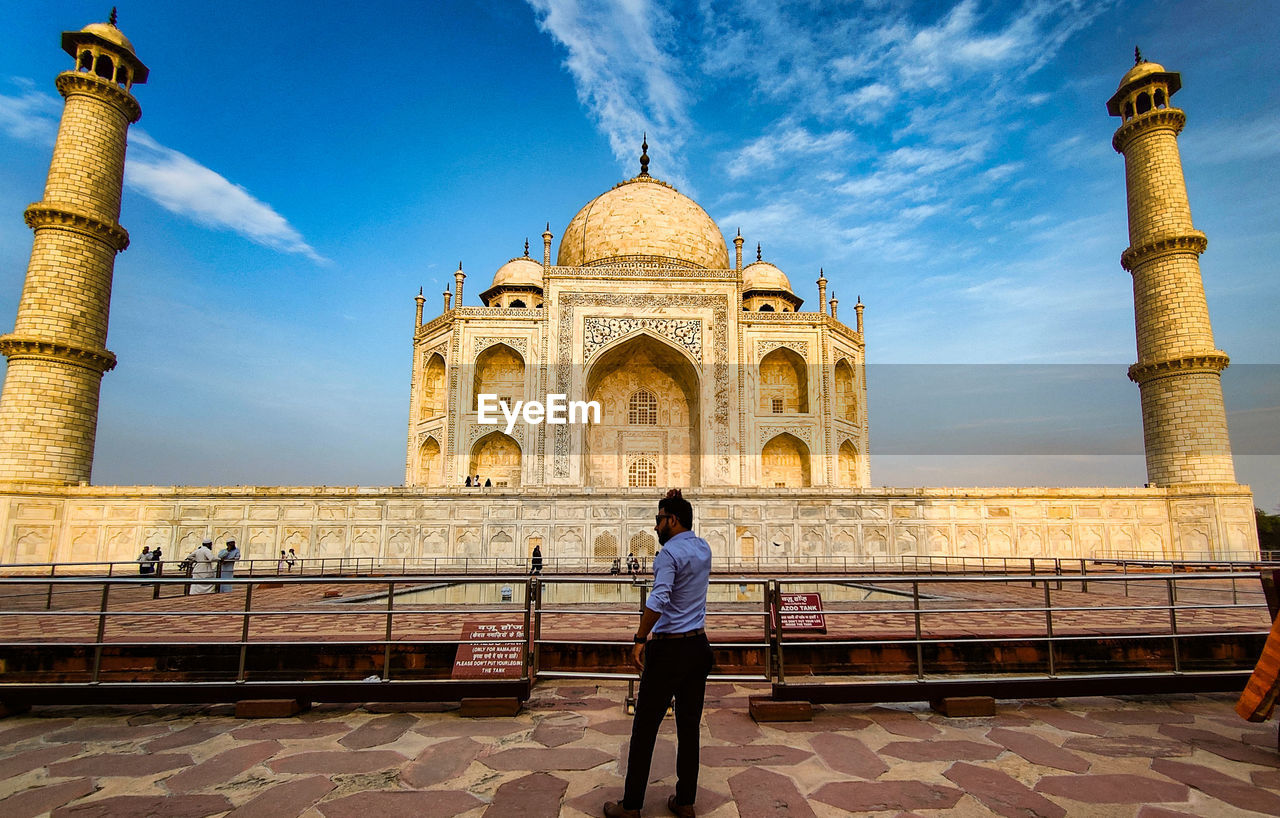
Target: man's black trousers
673	669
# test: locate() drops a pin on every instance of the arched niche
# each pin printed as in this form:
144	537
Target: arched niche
434	391
605	548
430	464
499	370
784	383
848	464
496	457
846	392
643	546
785	462
643	365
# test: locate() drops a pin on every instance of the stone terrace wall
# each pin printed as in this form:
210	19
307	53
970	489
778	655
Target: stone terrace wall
90	523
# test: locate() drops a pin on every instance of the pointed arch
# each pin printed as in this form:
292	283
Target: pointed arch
643	545
434	391
605	548
496	457
848	463
499	370
846	392
783	377
643	377
430	463
785	462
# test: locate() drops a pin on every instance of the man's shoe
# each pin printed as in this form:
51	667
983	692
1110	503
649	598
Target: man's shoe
680	810
614	809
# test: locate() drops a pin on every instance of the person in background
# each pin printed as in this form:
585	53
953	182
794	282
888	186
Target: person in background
202	567
227	564
282	565
291	558
535	561
146	562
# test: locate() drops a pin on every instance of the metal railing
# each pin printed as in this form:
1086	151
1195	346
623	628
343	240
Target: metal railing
363	639
455	566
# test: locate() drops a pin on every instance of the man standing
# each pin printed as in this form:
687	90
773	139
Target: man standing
227	565
674	657
203	562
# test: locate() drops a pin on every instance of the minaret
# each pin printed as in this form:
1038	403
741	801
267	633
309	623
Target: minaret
1178	370
57	351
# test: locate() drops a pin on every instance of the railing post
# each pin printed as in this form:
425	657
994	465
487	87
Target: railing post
102	630
915	603
1084	572
386	654
244	630
1173	624
776	616
48	599
1048	626
532	623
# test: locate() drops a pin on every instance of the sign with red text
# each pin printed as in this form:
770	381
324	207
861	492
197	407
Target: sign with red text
494	653
801	612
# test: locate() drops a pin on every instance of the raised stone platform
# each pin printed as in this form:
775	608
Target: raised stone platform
42	524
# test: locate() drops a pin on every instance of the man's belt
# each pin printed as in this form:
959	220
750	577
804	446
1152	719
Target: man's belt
685	635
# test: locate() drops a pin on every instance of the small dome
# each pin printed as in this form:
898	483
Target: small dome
109	33
761	275
643	217
1139	71
521	271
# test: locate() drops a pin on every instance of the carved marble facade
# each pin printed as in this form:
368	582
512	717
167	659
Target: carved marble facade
705	372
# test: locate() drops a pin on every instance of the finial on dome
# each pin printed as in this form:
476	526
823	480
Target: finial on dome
526	246
757	251
644	155
821	273
739	231
859	298
419	291
1137	55
112	19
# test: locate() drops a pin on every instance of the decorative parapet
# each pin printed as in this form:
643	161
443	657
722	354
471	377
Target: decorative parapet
437	323
80	82
1160	118
97	360
1193	242
42	214
1145	371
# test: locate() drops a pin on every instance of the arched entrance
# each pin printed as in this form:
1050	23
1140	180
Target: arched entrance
496	458
648	430
785	462
429	463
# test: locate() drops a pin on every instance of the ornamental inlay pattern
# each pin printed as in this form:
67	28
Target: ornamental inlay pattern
478	431
483	342
597	332
439	349
799	430
763	348
719	306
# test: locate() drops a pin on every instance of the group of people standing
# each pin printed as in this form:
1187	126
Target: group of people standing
205	566
474	482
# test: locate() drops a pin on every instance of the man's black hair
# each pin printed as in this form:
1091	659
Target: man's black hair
678	507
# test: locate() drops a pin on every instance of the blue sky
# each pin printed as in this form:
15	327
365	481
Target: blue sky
301	169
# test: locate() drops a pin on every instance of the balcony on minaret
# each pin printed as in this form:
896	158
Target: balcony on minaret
101	49
1146	87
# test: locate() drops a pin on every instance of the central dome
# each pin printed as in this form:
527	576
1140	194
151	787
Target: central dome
643	217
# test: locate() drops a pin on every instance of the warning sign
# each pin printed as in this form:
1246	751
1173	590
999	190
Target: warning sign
801	612
496	653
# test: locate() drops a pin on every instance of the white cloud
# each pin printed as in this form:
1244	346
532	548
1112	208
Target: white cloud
173	180
183	186
624	72
787	141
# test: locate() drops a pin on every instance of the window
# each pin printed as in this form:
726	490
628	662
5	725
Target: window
779	485
517	305
642	409
642	473
766	308
777	406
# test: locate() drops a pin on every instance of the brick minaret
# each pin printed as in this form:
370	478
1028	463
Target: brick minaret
57	351
1178	369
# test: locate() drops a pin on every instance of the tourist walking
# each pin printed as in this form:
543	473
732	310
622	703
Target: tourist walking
202	567
674	658
290	559
227	564
633	564
535	561
282	564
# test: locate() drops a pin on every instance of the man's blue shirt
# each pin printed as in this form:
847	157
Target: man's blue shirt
681	571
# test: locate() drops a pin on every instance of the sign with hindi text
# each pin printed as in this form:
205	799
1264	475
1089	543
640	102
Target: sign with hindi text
801	612
494	654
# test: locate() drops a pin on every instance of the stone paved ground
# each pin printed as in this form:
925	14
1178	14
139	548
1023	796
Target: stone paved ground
1150	756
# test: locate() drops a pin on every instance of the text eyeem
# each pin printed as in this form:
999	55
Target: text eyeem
557	410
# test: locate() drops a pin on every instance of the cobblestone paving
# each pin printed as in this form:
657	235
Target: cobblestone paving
1128	756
